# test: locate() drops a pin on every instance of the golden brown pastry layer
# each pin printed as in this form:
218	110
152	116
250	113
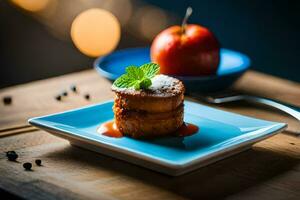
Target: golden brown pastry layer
139	124
156	111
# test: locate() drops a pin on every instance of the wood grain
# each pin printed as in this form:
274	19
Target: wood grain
269	166
38	98
271	169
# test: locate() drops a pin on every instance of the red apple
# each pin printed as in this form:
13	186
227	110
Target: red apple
192	51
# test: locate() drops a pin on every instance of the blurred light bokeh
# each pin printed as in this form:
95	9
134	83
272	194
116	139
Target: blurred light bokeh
135	16
36	43
95	32
31	5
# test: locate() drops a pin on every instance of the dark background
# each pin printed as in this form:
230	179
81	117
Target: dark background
267	31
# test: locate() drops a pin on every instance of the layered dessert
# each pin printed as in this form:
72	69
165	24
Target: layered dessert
147	104
155	111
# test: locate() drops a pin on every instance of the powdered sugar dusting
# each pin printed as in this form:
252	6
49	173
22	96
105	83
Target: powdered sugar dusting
162	85
162	82
115	88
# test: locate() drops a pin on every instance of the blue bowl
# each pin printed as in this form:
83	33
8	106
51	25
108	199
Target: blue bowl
232	65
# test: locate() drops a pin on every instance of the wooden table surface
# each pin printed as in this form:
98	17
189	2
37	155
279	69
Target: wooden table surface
269	170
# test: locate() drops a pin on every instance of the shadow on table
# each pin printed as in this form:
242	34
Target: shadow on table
218	180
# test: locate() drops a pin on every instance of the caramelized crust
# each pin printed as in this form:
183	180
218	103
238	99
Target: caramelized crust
140	124
164	95
124	113
157	111
147	103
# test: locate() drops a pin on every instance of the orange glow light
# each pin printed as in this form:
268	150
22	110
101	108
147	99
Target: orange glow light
31	5
95	32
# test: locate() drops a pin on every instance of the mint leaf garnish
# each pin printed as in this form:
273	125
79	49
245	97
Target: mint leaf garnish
150	69
145	83
134	72
124	81
138	77
137	85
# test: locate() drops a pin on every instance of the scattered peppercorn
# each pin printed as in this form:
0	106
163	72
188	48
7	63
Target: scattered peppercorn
38	162
9	152
7	100
87	96
58	97
73	88
64	93
27	166
12	155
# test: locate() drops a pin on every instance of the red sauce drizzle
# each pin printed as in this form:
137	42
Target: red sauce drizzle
186	129
111	130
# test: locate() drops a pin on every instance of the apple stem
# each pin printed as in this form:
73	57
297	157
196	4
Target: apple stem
188	13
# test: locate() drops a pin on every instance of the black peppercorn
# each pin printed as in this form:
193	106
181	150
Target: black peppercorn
7	100
12	155
58	97
38	162
10	152
27	166
87	96
73	88
64	93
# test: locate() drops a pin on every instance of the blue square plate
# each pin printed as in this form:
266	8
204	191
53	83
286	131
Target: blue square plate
221	134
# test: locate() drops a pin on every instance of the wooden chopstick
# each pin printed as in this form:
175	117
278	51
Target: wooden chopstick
15	127
18	131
